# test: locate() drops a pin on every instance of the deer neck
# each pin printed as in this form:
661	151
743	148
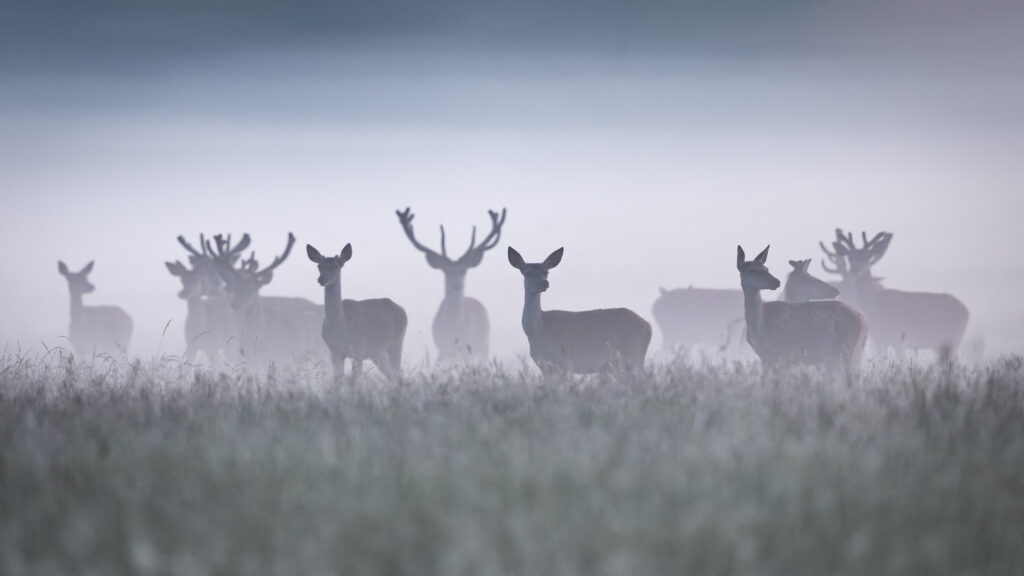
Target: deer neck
332	302
532	316
454	291
76	306
864	289
753	312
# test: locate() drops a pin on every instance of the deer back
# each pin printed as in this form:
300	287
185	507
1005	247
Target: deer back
370	328
915	319
816	332
591	340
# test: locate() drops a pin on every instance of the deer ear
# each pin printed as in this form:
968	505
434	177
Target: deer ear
805	264
174	268
346	253
436	261
741	258
796	265
314	254
515	259
553	259
264	278
88	268
472	259
62	268
763	256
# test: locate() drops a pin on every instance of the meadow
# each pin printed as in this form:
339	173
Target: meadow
155	466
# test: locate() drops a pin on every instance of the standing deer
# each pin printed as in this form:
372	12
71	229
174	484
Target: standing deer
801	286
209	325
358	329
269	328
823	332
691	316
103	329
461	327
899	319
577	342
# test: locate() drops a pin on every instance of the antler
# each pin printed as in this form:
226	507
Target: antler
277	261
405	219
490	241
492	238
225	251
195	253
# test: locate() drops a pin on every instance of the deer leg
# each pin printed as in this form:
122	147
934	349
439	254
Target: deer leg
357	370
338	361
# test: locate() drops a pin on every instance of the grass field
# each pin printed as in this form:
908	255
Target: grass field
158	468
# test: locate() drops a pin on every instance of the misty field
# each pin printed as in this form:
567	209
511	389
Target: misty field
159	468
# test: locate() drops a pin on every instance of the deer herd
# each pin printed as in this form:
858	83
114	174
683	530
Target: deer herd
815	323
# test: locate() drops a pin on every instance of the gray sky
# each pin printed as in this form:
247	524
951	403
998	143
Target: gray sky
647	141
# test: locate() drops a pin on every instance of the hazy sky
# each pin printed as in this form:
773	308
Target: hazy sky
647	139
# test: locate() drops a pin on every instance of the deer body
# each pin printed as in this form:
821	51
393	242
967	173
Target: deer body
268	327
898	319
461	328
358	329
103	329
822	332
901	319
578	342
697	316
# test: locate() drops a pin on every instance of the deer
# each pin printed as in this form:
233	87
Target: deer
899	319
802	286
692	316
826	333
461	328
358	329
209	323
97	329
583	342
269	328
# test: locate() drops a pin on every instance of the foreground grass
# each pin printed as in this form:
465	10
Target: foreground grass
158	469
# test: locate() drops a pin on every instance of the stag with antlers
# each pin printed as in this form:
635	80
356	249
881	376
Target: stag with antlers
269	328
461	327
209	325
898	319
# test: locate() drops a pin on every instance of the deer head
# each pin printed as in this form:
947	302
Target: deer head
203	279
754	275
801	285
329	266
243	283
455	270
860	260
78	282
535	275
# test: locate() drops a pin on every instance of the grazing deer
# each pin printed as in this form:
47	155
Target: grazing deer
577	342
801	286
691	316
103	329
358	329
269	328
209	325
461	327
898	319
823	332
